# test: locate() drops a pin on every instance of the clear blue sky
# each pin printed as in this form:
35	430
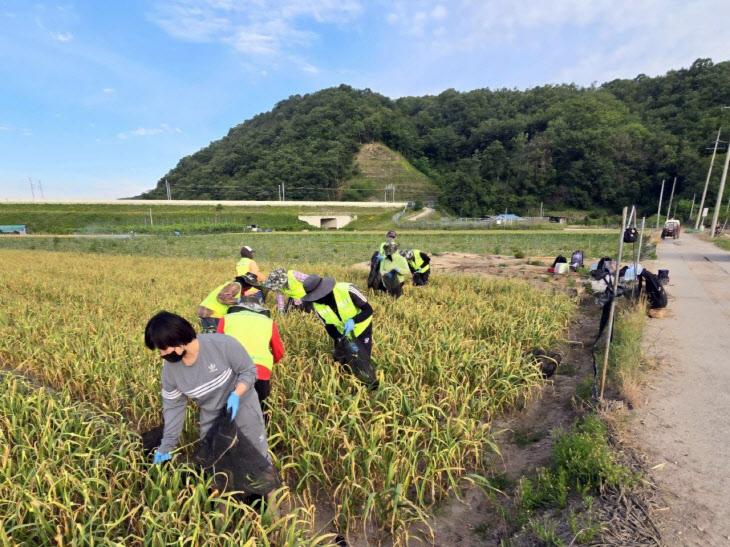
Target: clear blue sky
99	99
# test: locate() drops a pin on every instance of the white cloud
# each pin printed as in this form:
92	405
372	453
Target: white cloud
4	128
261	29
310	68
604	38
27	132
109	90
62	36
148	131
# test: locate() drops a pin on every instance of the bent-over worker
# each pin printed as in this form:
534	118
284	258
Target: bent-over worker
420	265
287	284
216	304
212	369
260	338
392	270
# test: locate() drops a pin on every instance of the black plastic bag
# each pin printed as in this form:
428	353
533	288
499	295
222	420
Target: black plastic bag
631	234
226	451
353	356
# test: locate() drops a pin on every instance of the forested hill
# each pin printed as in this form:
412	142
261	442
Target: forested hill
487	150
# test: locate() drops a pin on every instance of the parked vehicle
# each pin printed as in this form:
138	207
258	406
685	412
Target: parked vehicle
671	229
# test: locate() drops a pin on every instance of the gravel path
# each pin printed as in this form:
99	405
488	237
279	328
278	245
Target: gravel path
685	425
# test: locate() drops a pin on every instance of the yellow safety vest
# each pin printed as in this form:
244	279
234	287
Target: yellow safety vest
395	261
243	266
417	261
211	301
294	289
254	331
347	310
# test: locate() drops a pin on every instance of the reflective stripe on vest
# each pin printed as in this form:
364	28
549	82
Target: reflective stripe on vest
211	301
347	310
294	288
243	266
254	331
417	261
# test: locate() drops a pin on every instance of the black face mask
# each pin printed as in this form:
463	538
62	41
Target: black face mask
174	357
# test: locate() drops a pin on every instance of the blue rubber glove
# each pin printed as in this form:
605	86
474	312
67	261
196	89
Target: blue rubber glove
380	257
161	457
349	326
417	270
397	270
232	404
389	274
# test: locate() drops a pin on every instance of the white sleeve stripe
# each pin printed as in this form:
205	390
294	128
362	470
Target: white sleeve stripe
354	290
208	386
171	394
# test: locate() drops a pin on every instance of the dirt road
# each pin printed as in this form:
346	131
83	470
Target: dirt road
685	425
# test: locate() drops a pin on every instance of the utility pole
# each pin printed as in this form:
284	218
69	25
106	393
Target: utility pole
659	210
167	186
669	209
283	192
40	185
716	211
151	224
32	192
609	334
692	210
707	182
541	209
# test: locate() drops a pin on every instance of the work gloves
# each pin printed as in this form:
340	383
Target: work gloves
349	326
232	404
161	457
380	257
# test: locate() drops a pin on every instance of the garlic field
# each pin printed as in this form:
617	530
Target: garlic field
79	386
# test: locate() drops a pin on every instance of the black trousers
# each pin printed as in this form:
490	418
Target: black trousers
421	278
263	390
209	324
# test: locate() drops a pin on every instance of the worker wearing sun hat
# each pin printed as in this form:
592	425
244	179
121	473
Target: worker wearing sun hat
342	308
392	270
287	284
216	304
420	265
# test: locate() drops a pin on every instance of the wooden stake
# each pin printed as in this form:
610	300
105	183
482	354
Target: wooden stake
613	303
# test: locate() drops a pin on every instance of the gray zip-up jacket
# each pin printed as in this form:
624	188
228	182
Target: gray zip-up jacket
221	364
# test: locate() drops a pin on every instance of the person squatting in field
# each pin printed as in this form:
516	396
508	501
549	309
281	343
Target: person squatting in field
342	308
216	304
287	284
259	336
212	369
392	270
419	263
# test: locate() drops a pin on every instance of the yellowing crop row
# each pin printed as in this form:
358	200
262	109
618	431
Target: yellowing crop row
448	356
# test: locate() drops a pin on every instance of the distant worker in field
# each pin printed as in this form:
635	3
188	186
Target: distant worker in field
247	264
216	304
260	338
212	369
289	288
346	315
374	280
389	238
420	265
393	269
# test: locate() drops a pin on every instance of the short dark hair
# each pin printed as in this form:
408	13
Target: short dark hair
168	330
245	253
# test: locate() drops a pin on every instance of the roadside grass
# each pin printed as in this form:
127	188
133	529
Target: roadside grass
627	367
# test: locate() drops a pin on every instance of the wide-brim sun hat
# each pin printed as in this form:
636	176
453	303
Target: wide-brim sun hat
276	280
391	234
316	287
390	248
250	279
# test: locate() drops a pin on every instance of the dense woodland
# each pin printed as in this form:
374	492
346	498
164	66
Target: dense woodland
487	150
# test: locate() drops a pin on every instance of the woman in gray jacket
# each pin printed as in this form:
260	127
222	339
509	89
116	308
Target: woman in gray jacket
212	369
